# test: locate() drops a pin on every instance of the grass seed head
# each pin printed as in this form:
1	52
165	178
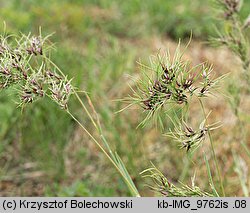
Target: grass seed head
24	63
172	82
168	189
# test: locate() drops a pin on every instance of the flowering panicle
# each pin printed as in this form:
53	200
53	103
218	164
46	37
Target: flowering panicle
60	92
234	34
230	7
188	137
34	46
25	65
23	62
173	82
167	189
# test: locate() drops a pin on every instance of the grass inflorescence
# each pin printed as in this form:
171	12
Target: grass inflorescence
167	189
172	82
171	86
27	68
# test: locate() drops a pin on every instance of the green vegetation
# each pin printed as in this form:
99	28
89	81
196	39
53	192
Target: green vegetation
97	44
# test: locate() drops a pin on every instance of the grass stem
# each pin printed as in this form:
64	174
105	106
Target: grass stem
213	152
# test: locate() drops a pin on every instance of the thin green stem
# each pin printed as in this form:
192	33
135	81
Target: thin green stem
131	187
186	166
213	152
115	159
189	158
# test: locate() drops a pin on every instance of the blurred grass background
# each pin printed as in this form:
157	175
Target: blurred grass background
42	151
